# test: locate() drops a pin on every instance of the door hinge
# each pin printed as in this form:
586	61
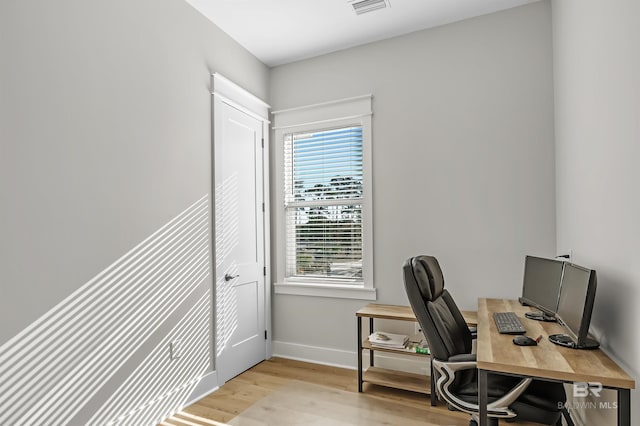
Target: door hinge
262	207
263	142
265	335
264	271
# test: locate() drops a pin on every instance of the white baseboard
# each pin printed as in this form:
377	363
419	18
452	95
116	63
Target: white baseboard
315	354
207	385
347	359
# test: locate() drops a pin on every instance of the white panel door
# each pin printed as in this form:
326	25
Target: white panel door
239	241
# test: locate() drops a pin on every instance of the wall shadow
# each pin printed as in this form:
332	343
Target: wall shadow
52	368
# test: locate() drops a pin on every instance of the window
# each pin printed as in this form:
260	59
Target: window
323	232
323	202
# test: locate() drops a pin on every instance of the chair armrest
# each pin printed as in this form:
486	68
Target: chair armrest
474	332
446	371
446	374
455	363
462	358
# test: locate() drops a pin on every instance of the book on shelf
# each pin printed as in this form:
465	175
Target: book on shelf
400	342
382	339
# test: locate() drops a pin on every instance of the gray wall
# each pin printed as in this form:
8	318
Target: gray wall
104	140
597	92
463	161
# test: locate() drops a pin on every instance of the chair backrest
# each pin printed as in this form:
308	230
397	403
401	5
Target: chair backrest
434	308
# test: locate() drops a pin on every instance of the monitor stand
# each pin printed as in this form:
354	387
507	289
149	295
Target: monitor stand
565	340
540	316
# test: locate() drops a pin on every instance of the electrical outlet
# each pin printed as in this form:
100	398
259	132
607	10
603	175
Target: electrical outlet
566	255
175	349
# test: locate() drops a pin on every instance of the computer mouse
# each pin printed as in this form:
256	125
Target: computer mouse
524	341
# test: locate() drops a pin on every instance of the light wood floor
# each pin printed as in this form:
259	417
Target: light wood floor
241	392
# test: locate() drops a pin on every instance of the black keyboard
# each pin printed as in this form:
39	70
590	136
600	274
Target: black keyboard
508	323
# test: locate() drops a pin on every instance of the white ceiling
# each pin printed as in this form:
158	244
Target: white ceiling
282	31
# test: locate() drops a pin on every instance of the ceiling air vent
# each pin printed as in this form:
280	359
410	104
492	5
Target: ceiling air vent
364	6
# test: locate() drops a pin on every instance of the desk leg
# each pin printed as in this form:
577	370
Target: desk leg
359	354
483	397
624	407
371	351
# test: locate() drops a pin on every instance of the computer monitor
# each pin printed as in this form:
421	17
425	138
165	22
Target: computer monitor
541	286
575	305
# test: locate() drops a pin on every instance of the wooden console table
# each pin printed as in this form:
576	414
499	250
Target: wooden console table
392	378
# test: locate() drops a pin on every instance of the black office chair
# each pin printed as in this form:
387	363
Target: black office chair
454	364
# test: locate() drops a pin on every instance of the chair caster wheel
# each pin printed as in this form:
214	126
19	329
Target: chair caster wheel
473	423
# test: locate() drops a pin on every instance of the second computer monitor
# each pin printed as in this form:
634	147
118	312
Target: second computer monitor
576	305
541	284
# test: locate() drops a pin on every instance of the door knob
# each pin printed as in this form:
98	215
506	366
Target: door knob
228	277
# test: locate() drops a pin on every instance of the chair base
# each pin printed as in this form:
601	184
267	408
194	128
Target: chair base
492	422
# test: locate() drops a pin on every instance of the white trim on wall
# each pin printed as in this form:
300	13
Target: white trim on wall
326	290
347	359
353	111
206	386
239	97
356	106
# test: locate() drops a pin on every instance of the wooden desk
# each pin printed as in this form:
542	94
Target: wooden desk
547	361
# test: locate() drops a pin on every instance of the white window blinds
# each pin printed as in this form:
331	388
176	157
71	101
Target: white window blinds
323	177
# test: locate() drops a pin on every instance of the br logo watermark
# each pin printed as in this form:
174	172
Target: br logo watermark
584	389
588	390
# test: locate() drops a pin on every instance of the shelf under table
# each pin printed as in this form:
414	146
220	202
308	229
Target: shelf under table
398	379
366	344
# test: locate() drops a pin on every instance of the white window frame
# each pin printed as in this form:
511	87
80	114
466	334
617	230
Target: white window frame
354	111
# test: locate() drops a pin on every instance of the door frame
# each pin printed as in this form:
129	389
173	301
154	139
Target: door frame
226	91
